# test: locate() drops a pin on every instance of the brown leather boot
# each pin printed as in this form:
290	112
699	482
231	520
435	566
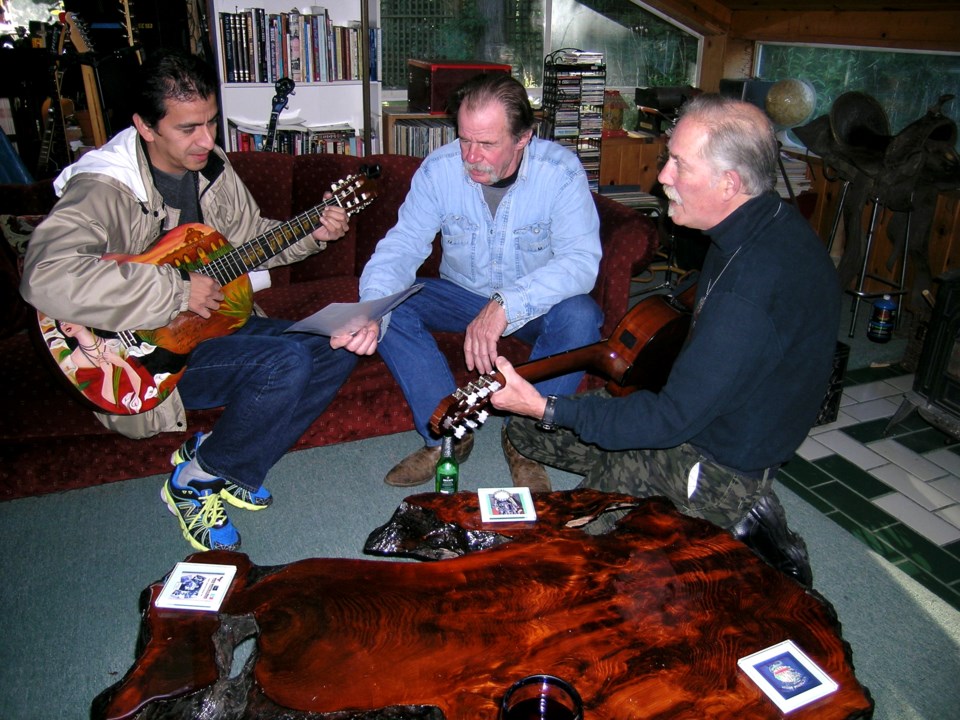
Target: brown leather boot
419	467
524	471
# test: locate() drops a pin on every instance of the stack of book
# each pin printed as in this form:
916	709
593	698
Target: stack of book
295	137
633	197
261	47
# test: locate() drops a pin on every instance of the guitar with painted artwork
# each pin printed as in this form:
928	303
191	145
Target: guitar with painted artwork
133	371
638	355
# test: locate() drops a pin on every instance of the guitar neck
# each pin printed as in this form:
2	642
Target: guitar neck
599	358
271	132
253	253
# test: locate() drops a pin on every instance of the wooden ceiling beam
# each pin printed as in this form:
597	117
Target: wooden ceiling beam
937	31
706	17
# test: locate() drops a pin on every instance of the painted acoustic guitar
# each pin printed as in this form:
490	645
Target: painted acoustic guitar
132	371
638	355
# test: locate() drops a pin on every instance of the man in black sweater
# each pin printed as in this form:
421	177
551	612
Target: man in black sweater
747	385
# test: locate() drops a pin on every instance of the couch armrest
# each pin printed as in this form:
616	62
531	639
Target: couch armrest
630	241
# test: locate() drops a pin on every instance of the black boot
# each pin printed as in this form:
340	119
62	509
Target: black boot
764	530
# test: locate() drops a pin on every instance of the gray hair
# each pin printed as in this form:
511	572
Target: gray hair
740	137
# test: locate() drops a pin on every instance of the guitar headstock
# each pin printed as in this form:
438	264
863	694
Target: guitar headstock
465	410
348	195
284	89
78	33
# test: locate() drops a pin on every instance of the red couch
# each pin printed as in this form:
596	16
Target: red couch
49	442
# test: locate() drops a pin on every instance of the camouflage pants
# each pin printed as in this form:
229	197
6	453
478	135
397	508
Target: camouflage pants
720	495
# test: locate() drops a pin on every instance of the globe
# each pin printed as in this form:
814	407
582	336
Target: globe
791	102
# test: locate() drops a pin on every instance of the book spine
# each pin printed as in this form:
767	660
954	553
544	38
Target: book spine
262	44
253	61
294	26
240	47
353	56
227	44
285	44
331	50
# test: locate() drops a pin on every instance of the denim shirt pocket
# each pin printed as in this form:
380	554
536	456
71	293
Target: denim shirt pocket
458	234
533	245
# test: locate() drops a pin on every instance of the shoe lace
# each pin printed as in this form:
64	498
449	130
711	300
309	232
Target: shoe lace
212	512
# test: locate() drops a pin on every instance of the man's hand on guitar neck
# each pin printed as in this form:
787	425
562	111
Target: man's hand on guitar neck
517	396
205	295
334	222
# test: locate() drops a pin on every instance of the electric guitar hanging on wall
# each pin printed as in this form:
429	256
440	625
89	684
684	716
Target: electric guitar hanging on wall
133	371
54	150
638	355
77	33
284	87
130	29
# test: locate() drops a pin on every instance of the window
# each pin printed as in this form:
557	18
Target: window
502	31
904	83
640	48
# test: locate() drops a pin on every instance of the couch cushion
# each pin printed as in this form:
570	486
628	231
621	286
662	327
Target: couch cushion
396	172
313	175
269	177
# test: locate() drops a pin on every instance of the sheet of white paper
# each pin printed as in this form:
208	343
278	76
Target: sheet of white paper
346	318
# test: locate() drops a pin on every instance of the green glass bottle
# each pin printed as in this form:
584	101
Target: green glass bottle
448	469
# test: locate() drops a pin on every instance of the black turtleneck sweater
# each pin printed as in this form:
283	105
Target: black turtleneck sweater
752	375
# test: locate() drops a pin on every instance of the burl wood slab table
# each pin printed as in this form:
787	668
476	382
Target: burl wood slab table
647	621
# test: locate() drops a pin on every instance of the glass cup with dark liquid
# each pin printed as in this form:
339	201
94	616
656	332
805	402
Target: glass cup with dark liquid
541	697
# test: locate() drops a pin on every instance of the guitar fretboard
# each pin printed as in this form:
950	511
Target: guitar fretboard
240	260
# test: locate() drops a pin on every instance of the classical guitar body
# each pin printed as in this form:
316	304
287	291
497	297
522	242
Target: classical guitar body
132	371
193	247
638	355
649	338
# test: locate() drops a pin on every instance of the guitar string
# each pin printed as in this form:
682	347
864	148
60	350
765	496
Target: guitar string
236	262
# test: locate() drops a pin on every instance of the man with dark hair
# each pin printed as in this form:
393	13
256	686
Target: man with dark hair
746	388
161	173
521	250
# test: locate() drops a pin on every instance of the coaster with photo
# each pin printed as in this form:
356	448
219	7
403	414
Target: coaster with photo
787	676
509	504
196	586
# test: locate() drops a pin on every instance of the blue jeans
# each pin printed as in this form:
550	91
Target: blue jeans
272	387
421	369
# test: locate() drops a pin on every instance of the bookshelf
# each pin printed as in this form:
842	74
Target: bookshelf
573	85
254	45
417	133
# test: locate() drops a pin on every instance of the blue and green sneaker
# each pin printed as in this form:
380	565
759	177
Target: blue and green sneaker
237	496
200	511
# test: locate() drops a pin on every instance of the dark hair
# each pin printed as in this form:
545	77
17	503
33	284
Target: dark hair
502	88
740	137
172	74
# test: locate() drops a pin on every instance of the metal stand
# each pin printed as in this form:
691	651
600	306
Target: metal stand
898	288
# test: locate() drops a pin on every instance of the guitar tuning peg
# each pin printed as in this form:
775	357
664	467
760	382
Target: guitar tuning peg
482	417
470	424
459	433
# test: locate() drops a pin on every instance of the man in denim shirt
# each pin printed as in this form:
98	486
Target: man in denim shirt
521	252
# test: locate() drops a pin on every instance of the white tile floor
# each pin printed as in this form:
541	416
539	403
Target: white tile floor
924	489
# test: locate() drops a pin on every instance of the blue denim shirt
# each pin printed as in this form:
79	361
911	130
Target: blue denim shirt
542	247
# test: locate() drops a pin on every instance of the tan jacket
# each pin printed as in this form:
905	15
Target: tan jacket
109	204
